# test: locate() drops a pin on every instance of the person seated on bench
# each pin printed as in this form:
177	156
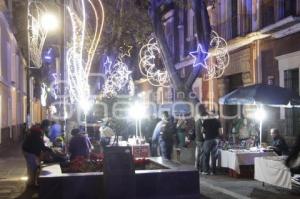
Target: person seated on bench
278	143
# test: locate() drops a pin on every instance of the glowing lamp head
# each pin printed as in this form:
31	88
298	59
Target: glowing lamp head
137	111
260	114
85	105
49	22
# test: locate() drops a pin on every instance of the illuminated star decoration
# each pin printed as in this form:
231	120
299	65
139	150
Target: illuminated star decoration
83	46
107	65
216	60
148	67
125	51
36	32
199	56
118	79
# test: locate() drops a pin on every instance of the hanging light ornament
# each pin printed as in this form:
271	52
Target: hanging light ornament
216	60
37	33
81	53
149	54
43	94
118	78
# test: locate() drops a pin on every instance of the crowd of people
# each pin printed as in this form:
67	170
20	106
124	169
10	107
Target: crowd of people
46	141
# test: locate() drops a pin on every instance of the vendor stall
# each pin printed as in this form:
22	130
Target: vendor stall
272	170
234	159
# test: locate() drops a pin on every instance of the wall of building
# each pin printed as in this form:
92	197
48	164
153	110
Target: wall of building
12	88
254	60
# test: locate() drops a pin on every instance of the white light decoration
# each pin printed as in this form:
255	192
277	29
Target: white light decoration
43	94
148	67
81	53
216	60
118	77
54	87
37	33
125	51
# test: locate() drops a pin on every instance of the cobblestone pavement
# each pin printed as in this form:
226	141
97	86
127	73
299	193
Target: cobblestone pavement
12	173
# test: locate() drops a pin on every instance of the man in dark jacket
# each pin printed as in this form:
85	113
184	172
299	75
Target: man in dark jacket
199	139
212	130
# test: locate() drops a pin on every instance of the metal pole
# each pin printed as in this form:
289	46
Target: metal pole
85	123
27	71
136	128
62	64
260	127
140	128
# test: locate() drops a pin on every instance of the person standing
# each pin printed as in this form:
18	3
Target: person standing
212	130
32	147
199	139
55	131
163	132
181	126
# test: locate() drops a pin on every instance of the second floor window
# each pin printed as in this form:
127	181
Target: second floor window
290	8
234	18
267	12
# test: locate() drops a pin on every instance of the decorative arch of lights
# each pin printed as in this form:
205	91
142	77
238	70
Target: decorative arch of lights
118	78
148	54
83	46
216	60
36	32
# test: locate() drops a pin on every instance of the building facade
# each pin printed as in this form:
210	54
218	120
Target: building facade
13	87
262	37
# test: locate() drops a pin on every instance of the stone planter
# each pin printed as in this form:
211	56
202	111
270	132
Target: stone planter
175	181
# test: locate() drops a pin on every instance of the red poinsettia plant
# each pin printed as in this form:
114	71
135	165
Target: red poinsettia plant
95	164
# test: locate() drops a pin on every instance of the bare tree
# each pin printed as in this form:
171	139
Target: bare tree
203	30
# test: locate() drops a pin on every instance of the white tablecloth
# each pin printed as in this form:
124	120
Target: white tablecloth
272	170
233	159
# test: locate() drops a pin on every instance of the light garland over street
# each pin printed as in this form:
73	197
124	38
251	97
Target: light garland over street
118	78
81	53
37	33
216	60
148	66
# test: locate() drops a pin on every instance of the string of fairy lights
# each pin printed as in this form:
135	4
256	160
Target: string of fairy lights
37	33
118	77
79	57
84	42
149	54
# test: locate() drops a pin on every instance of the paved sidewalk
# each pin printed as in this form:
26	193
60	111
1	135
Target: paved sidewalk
13	174
244	188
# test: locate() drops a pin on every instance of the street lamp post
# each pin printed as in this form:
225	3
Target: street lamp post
47	23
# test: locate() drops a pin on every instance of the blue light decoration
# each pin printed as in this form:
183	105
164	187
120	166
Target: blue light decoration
107	65
216	60
200	56
49	55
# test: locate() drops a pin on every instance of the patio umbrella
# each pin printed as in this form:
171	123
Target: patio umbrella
260	94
